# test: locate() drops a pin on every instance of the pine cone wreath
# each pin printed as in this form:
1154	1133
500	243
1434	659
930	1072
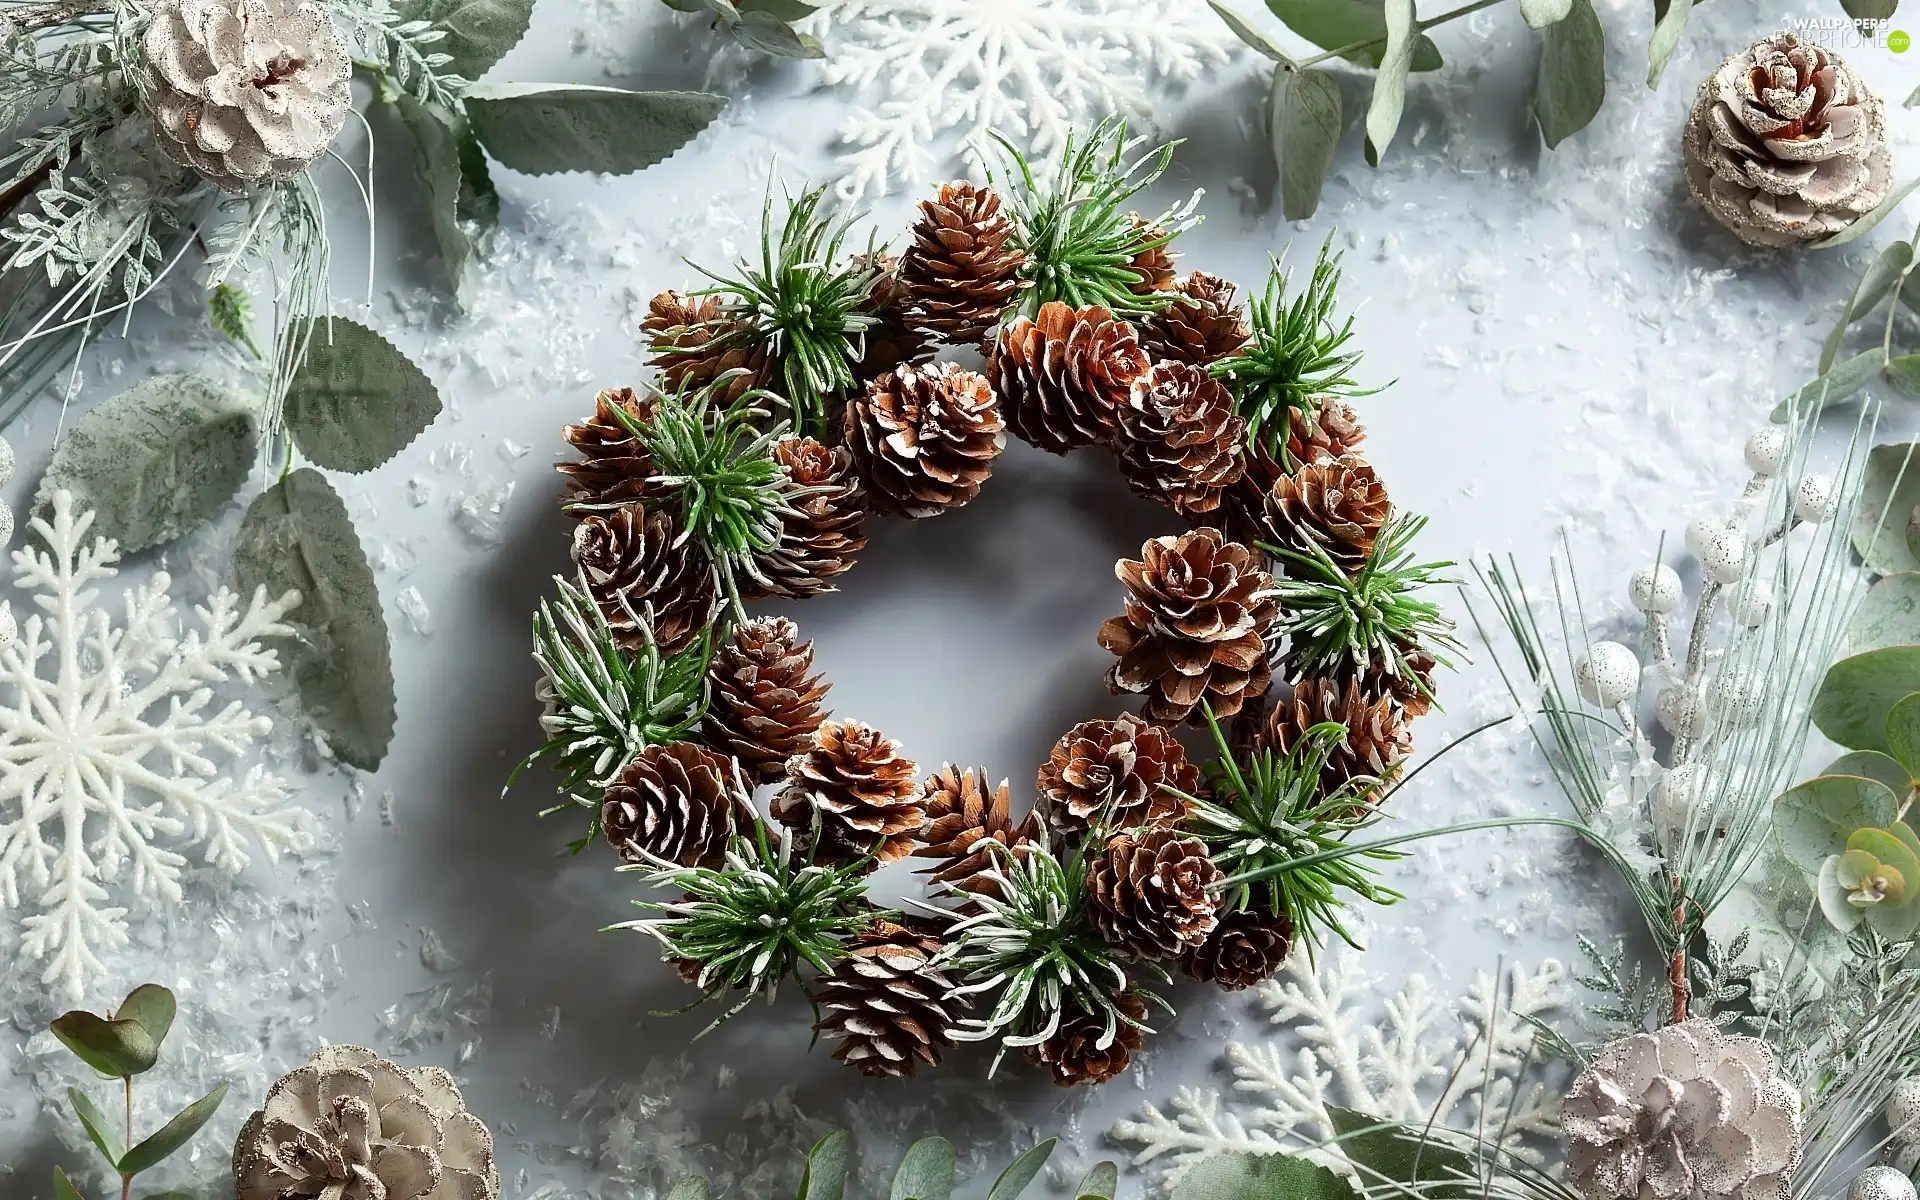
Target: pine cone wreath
1379	732
924	438
676	803
613	467
1246	947
1081	1049
1336	504
886	1005
1179	440
1148	893
824	530
896	341
765	697
963	815
694	340
960	271
853	786
1204	326
1120	774
644	578
1062	375
1786	145
1154	265
1198	612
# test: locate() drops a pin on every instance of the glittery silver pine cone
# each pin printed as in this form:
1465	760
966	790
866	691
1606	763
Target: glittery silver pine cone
1686	1112
246	91
1786	145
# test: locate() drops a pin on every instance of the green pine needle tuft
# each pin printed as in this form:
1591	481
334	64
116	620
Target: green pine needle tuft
1297	358
1373	620
1076	234
804	303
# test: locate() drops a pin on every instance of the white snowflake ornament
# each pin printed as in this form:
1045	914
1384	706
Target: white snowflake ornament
118	748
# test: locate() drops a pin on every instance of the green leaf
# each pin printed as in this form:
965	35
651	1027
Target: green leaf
825	1176
1912	101
116	1048
1261	1177
1539	14
152	1007
1889	490
479	32
1020	1172
1831	388
1903	372
926	1173
63	1188
356	400
1572	80
1889	614
1333	24
785	10
1869	10
1814	819
1100	1182
1390	85
156	460
437	163
100	1131
1903	740
1397	1155
1303	123
1247	33
1853	701
1880	278
690	1187
1832	895
541	128
1666	38
1889	851
1865	224
174	1134
1871	764
771	35
297	535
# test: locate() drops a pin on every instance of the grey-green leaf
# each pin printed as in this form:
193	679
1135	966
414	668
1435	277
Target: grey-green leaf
174	1134
541	128
1100	1182
786	10
1248	33
1815	818
1390	85
770	35
825	1175
1841	383
1913	101
926	1172
112	1047
1261	1177
479	32
356	400
1903	372
1335	24
152	1007
1889	490
63	1188
1865	224
1903	735
156	460
1869	10
690	1187
1871	764
1889	614
1853	701
1881	276
1666	38
1020	1172
297	535
99	1130
436	162
1303	121
1539	14
1571	83
1401	1156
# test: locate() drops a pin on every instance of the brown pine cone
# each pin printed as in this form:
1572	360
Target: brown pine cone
1198	613
1062	375
765	702
1154	266
1379	735
1332	430
1205	326
1414	695
676	802
1338	504
1246	947
886	1005
1179	440
1121	774
896	340
924	438
1148	894
820	542
694	340
1074	1053
634	565
854	785
962	818
613	467
960	270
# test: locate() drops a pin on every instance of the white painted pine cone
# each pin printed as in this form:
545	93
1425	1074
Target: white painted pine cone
1687	1111
1786	145
351	1125
246	91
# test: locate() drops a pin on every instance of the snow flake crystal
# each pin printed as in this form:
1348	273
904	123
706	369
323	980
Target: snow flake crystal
120	747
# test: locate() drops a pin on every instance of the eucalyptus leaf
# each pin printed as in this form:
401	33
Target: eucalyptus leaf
437	163
479	32
176	1133
1839	384
356	400
1869	10
1539	14
1880	278
1100	1182
1834	905
1261	1177
115	1048
156	460
150	1006
1903	372
690	1187
1021	1171
297	535
63	1188
1903	740
99	1130
1571	82
1889	614
1813	820
771	35
926	1171
785	10
542	128
1337	24
1866	223
1853	701
1390	84
1397	1155
1303	122
1871	764
1249	34
1666	38
825	1175
1889	490
1895	923
1889	851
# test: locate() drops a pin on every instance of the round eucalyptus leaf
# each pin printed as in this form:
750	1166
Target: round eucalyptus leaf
1834	905
1889	614
1903	734
1871	764
1889	489
1814	819
1858	692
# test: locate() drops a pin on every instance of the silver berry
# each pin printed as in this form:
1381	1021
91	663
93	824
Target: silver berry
1655	589
1765	449
1880	1183
1751	609
1607	674
1814	500
1700	533
1682	710
1725	557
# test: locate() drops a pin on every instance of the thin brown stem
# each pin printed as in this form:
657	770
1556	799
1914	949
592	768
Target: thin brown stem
1677	984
